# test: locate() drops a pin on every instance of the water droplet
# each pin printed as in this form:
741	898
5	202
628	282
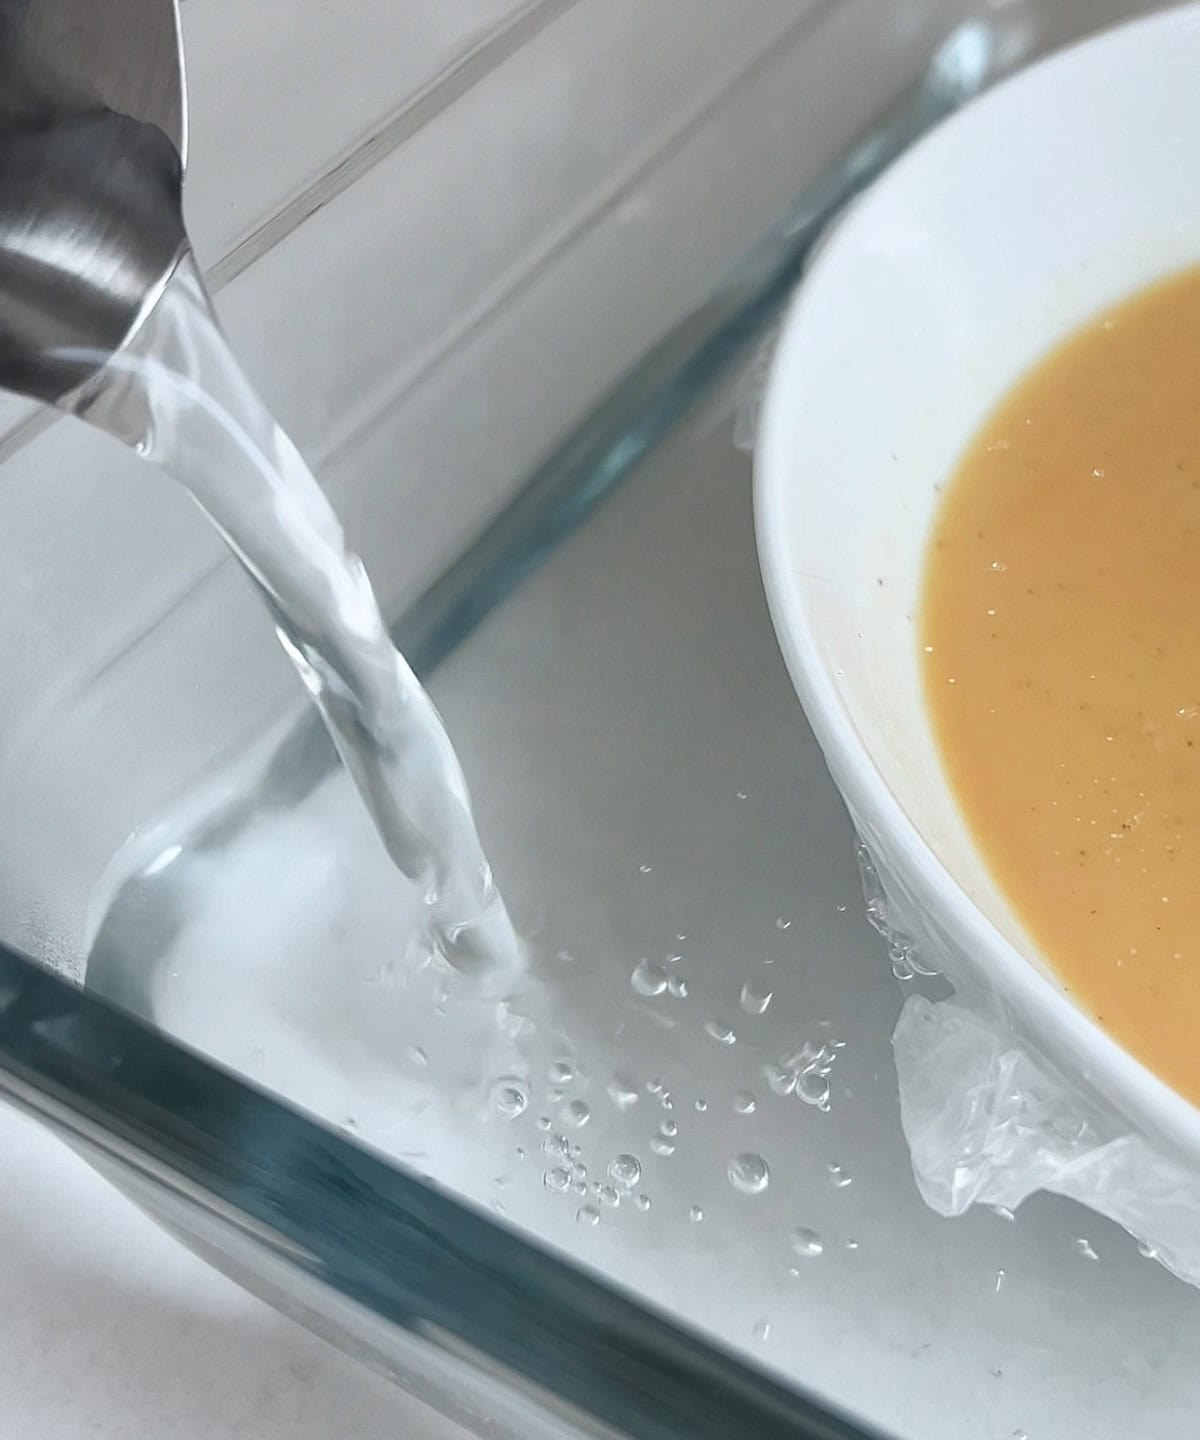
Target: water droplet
625	1170
782	924
608	1195
701	1106
813	1089
762	1330
576	1113
851	1244
745	1103
807	1243
749	1173
1003	1212
838	1177
755	998
588	1215
999	566
719	1031
580	1187
643	1201
622	1092
543	1122
509	1098
644	870
677	987
561	1072
741	794
418	1057
565	956
669	1129
1084	1248
556	1145
696	1214
557	1180
780	1080
999	1279
1147	1252
520	1152
648	978
660	1146
656	1085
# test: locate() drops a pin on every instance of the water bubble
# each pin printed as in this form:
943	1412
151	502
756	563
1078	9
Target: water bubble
661	1146
999	1279
622	1092
701	1106
608	1195
543	1122
807	1243
669	1129
1083	1247
643	1201
648	978
556	1145
644	869
1003	1212
561	1072
999	566
418	1057
745	1103
762	1330
625	1170
576	1113
1146	1251
557	1180
656	1085
509	1098
565	956
696	1214
749	1173
588	1215
677	987
519	1152
851	1244
719	1031
782	924
813	1089
755	998
838	1177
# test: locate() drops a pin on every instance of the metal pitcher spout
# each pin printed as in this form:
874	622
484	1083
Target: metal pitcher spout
93	140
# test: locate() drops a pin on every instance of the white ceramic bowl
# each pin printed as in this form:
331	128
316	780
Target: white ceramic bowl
1061	191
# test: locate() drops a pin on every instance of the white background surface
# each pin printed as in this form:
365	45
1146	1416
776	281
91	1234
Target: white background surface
110	1330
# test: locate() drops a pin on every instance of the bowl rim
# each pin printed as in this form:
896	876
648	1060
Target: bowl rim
1107	1066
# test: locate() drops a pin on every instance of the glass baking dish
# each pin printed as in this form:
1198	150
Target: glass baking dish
596	1206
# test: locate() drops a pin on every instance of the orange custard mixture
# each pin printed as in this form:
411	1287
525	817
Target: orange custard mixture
1060	636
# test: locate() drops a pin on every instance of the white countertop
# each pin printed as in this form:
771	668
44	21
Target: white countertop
110	1330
